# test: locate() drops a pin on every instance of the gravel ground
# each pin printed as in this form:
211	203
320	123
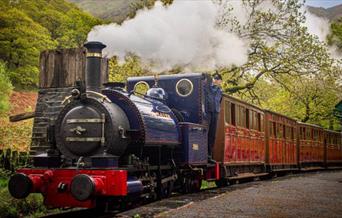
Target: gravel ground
305	195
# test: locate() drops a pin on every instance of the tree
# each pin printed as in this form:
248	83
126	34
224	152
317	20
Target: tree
308	99
279	43
28	27
132	66
21	40
335	37
5	89
288	70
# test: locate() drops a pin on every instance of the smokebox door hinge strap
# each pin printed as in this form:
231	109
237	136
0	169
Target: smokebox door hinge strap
103	116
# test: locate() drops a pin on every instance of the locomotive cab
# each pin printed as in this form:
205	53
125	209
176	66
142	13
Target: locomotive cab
182	89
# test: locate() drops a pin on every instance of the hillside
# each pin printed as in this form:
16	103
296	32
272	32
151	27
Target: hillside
332	14
114	11
27	27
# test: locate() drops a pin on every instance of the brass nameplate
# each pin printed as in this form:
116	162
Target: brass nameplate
195	147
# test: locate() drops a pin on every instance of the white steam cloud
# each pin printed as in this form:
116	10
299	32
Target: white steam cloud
320	27
183	34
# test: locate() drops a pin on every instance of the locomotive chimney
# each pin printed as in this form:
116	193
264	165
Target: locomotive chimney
93	77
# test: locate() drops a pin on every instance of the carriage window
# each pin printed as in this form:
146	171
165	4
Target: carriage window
315	135
272	127
288	132
248	119
184	87
227	112
280	130
308	134
255	120
302	132
261	122
330	139
233	114
241	116
251	119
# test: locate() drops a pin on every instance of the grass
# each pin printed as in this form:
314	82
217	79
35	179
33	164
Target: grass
32	206
205	185
16	136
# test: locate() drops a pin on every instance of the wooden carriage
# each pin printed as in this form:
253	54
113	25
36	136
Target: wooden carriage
240	138
281	142
311	146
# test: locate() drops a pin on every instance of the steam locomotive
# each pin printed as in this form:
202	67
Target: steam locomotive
113	143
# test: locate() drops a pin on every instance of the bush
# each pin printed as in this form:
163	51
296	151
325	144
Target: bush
10	207
16	136
5	89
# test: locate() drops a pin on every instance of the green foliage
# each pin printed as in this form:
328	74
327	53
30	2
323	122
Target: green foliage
115	11
5	89
131	66
27	27
16	136
288	70
335	37
307	99
31	206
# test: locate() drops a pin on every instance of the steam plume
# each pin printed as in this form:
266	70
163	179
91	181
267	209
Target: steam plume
180	35
320	27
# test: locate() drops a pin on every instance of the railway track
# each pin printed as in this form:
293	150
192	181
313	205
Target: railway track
176	201
81	213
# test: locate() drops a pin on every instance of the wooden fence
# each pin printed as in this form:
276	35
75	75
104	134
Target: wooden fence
10	160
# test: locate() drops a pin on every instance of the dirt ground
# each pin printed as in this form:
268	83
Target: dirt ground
22	102
306	195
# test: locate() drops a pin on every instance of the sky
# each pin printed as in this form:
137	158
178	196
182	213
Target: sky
323	3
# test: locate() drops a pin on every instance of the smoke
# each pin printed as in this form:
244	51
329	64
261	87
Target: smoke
320	27
183	34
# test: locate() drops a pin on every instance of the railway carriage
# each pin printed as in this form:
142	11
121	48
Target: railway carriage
311	146
333	148
281	142
240	139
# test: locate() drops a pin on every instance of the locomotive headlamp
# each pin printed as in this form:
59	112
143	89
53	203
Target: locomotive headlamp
83	187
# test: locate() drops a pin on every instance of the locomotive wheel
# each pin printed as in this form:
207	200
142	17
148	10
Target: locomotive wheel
191	185
166	189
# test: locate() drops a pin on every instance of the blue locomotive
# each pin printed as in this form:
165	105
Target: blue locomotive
112	143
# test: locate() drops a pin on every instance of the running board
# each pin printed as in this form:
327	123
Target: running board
247	175
284	170
305	169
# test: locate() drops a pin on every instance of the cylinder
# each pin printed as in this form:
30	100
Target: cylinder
134	186
93	77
